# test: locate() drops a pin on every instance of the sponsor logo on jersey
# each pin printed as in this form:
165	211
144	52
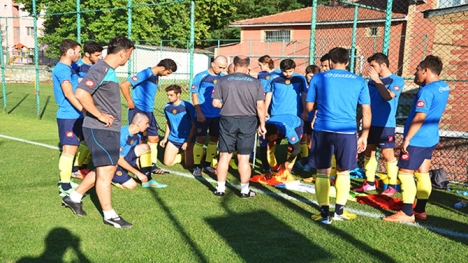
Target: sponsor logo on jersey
405	156
193	87
442	89
134	78
396	88
121	149
89	83
293	139
66	81
213	91
69	134
391	138
420	104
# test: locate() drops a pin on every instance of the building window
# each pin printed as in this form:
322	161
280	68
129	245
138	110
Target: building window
450	3
30	31
373	31
278	36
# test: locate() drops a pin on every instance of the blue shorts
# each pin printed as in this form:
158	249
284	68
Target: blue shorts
210	123
70	131
325	144
153	125
415	157
176	144
383	137
103	145
121	175
307	128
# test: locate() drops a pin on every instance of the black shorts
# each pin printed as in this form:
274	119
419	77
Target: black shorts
211	124
103	145
237	133
307	128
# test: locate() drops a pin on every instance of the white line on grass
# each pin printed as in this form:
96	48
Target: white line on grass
442	231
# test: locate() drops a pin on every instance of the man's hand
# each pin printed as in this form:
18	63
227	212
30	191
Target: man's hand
262	130
142	177
131	105
373	74
404	145
201	117
163	142
361	144
184	146
107	119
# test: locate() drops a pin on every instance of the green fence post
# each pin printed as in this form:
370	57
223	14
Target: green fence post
129	25
353	41
2	64
312	33
192	40
36	61
388	23
6	42
78	21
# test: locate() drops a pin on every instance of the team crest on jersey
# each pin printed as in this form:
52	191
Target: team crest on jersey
267	77
420	104
118	173
214	81
193	87
131	142
69	134
287	82
391	138
199	130
66	81
405	156
145	133
174	111
293	139
134	78
89	83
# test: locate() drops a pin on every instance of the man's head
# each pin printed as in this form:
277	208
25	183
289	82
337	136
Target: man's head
266	63
325	62
230	68
169	67
241	64
428	70
173	93
379	62
272	132
287	66
219	65
339	57
310	71
141	121
121	47
92	51
70	49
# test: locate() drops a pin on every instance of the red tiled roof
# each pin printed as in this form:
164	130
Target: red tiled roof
325	13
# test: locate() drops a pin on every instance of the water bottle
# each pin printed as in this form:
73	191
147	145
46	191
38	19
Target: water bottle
464	193
459	205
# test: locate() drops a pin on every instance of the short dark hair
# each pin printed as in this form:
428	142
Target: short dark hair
312	69
287	64
168	63
380	58
92	47
241	61
339	55
270	129
267	59
176	88
434	63
68	44
119	43
325	57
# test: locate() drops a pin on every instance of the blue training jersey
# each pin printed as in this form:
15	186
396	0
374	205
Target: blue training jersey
287	94
266	77
180	118
337	93
145	86
383	111
127	140
63	73
81	68
203	85
286	124
431	99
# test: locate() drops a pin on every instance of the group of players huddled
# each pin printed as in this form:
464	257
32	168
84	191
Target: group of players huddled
328	116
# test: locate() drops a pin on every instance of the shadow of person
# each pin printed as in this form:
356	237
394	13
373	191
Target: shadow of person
57	243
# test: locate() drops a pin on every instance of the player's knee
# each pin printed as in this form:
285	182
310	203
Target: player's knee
130	184
168	162
201	139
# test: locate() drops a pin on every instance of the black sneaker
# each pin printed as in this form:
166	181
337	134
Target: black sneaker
218	193
248	195
117	222
77	208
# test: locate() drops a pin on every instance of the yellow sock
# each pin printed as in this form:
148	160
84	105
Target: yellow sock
197	153
370	165
423	185
342	185
65	167
322	189
304	149
211	152
178	159
81	154
392	171
271	157
333	168
145	159
154	151
291	164
408	187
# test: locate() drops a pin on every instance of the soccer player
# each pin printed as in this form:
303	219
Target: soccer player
180	128
145	86
420	138
385	89
325	62
279	127
133	152
99	94
241	100
337	93
207	115
69	116
92	54
268	71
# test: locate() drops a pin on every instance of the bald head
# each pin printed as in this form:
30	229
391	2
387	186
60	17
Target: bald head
139	117
218	65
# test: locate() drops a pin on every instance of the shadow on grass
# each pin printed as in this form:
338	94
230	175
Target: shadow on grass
19	103
58	242
45	107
